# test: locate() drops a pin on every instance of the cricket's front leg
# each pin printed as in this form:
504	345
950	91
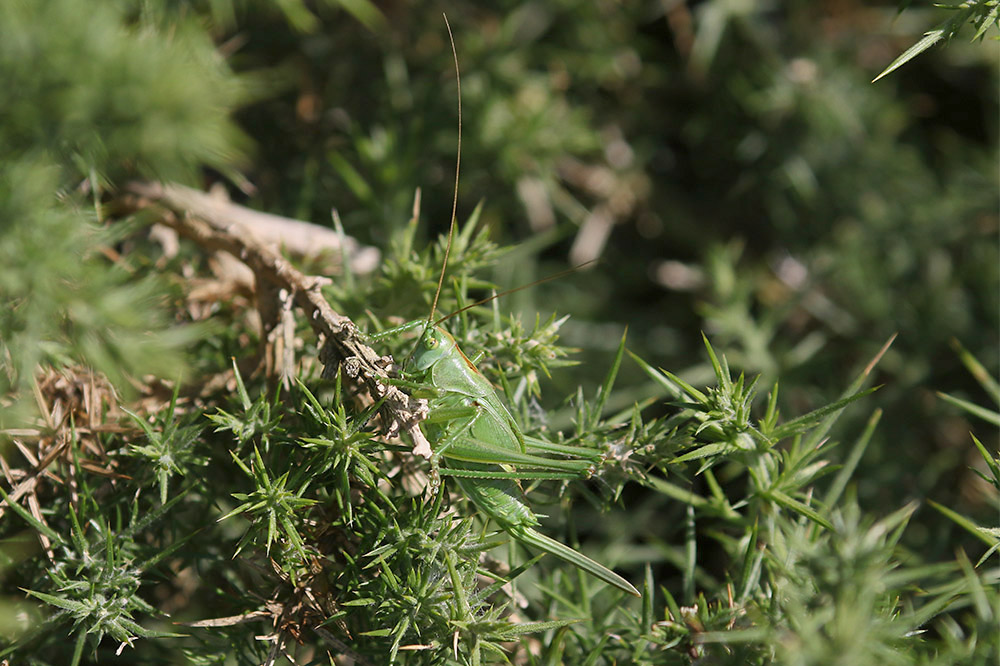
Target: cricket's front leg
462	421
391	332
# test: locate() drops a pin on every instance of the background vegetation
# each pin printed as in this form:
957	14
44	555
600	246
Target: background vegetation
736	172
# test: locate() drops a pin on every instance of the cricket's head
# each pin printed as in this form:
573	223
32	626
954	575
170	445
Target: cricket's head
435	344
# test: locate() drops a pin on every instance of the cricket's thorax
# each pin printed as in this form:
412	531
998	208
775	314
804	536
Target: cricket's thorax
462	384
450	368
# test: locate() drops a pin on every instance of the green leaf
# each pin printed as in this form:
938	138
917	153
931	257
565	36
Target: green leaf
991	417
361	189
846	472
930	39
514	631
39	526
977	369
703	452
989	536
805	422
609	381
798	507
60	602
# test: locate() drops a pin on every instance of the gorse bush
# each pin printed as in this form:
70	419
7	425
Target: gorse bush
211	441
82	110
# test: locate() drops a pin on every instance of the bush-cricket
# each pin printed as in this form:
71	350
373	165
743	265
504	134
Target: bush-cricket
473	432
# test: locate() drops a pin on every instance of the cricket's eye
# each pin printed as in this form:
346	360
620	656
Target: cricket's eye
432	343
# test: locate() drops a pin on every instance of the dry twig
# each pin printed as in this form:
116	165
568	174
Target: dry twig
279	283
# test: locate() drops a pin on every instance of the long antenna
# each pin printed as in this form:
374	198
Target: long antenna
458	164
554	276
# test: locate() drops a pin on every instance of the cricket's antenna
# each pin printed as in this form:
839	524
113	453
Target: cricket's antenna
556	276
458	164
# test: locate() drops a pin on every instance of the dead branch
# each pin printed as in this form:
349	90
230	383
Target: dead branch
343	345
301	239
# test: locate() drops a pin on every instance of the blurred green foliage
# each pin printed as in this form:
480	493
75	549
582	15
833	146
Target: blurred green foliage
94	99
758	187
736	172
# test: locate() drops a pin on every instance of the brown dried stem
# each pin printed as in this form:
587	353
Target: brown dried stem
343	345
